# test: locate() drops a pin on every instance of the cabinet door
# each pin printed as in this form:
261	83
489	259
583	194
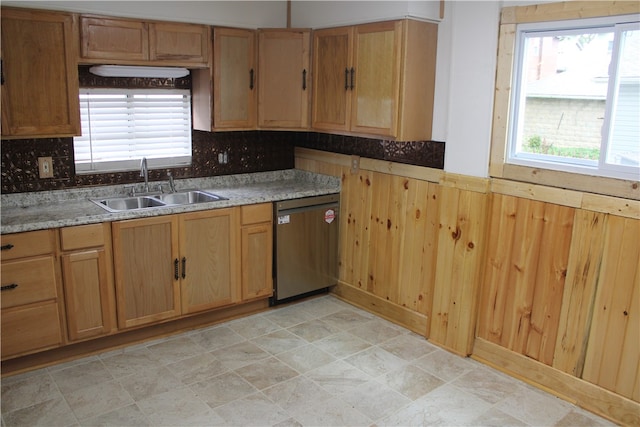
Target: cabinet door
257	261
209	249
234	79
332	78
284	80
40	74
376	78
86	287
146	270
183	43
116	39
30	328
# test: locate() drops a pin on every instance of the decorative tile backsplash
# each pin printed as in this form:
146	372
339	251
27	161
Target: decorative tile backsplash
248	151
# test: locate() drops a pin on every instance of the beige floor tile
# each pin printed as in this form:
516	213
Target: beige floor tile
130	415
578	417
298	392
288	316
150	382
266	373
197	368
338	377
496	418
253	326
347	319
332	412
222	389
444	365
376	332
342	345
409	346
375	361
242	354
22	391
98	399
81	375
411	381
279	342
534	407
178	407
314	330
487	385
375	400
320	307
305	358
253	410
177	348
215	338
54	412
127	363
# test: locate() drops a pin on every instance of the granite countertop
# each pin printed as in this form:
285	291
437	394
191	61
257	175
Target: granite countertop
62	208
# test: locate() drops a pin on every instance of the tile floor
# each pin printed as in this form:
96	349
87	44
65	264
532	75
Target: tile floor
321	362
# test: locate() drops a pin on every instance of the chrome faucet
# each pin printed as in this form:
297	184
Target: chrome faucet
144	172
172	184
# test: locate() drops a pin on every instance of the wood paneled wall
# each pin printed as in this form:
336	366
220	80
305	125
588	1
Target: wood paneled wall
499	269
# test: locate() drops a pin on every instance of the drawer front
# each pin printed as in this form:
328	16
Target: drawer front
81	237
27	244
252	214
28	329
28	281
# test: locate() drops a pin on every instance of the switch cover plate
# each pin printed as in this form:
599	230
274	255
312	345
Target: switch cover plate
45	167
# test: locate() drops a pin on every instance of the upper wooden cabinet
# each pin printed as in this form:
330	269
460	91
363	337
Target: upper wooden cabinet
375	79
39	74
127	41
284	83
234	78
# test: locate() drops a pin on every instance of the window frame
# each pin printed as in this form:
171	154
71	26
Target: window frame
499	166
134	164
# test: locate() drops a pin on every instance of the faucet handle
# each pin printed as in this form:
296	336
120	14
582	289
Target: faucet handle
130	190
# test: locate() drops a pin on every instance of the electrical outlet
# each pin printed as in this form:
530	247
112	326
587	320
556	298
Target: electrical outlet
45	167
355	164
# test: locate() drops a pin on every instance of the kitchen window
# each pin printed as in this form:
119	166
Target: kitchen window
121	126
575	99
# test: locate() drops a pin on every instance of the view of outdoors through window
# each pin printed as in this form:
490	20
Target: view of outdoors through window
578	101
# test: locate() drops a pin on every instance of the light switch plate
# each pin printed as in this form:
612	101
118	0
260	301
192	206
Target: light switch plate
355	164
45	167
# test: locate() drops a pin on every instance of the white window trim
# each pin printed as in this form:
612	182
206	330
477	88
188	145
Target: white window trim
498	167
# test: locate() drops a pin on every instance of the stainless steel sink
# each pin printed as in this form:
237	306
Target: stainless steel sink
188	197
127	203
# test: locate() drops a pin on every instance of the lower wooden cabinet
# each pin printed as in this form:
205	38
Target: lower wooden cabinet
257	251
87	271
32	319
209	257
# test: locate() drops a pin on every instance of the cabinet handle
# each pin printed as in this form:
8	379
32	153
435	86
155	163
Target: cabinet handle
8	287
184	267
6	247
176	276
251	79
304	79
1	72
352	73
346	79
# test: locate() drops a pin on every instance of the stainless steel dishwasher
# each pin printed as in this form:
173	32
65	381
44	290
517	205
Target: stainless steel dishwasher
306	246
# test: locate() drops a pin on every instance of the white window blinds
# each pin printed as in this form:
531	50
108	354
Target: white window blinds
120	126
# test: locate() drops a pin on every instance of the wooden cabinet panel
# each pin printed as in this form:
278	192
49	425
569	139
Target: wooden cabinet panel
145	263
25	330
376	78
28	281
40	74
209	250
332	51
523	283
235	78
107	38
257	251
32	243
182	43
86	284
284	83
612	352
82	236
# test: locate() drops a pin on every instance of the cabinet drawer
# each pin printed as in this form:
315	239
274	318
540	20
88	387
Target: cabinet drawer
30	328
30	281
82	236
252	214
104	38
22	245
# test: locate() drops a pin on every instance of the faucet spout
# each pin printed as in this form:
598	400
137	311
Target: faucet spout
144	172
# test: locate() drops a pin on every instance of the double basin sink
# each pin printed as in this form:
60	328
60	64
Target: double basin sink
128	203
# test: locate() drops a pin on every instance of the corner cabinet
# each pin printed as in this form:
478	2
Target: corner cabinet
284	83
375	79
129	41
39	74
173	265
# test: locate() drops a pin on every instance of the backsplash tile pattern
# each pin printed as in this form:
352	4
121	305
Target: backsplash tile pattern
247	151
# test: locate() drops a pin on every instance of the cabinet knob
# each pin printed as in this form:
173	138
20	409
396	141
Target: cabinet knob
6	247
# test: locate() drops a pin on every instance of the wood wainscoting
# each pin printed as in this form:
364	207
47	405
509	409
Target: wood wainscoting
541	282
